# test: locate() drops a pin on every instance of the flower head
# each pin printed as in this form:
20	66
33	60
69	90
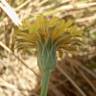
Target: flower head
63	34
47	36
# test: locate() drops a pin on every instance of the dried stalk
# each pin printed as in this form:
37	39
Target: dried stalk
70	79
17	57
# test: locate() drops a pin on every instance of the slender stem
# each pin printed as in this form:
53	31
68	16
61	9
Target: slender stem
44	83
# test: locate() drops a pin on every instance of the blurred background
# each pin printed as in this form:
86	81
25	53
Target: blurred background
75	74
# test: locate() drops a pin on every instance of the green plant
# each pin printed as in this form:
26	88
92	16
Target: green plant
48	35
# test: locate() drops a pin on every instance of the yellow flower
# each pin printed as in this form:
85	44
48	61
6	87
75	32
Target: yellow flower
62	33
48	35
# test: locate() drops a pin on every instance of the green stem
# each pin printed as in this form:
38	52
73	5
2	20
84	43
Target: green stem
44	83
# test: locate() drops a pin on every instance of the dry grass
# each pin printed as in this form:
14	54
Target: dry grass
19	74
